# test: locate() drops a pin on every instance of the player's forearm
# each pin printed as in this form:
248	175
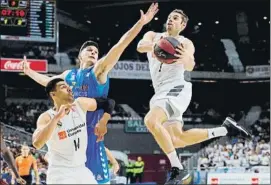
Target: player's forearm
110	156
129	36
105	118
112	57
39	78
7	156
41	136
145	46
189	66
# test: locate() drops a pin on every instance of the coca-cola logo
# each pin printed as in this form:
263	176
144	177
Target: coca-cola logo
214	181
17	65
14	65
254	181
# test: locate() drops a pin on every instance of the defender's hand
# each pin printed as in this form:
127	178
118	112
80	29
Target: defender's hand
100	131
148	16
26	66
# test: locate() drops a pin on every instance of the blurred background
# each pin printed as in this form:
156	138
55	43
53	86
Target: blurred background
231	78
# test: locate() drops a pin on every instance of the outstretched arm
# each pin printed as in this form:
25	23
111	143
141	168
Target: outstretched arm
91	104
40	78
105	64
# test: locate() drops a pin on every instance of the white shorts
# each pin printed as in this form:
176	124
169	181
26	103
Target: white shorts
174	99
66	175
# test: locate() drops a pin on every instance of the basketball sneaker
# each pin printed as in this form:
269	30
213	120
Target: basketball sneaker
234	129
178	177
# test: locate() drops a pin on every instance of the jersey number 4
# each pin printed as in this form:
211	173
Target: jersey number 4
76	144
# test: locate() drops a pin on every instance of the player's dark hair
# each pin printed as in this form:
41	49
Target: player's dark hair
89	43
179	11
86	44
51	86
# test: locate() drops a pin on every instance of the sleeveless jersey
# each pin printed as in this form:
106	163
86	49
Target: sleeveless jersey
164	74
68	143
85	84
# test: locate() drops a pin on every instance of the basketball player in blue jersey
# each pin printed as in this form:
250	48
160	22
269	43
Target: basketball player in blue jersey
91	80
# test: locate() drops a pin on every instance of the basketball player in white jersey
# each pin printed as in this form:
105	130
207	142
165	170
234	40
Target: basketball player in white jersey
172	97
63	129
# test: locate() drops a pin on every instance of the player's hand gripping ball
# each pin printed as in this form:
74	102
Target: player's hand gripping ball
165	49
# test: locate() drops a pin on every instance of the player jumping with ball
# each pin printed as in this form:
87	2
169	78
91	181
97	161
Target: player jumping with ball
172	97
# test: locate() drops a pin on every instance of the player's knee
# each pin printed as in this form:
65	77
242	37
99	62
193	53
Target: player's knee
177	143
150	123
177	140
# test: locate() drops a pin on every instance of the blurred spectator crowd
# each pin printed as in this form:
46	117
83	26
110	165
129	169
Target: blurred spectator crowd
32	52
236	153
24	115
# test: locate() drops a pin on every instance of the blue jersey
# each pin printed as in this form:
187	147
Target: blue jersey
85	84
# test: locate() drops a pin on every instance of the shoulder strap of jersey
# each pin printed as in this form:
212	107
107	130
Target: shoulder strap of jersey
80	111
158	36
51	113
182	38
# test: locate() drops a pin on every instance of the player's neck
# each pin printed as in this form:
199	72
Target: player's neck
84	66
172	34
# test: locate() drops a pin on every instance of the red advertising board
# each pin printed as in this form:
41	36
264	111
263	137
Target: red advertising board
16	65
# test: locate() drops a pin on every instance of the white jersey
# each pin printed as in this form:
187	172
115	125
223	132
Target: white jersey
68	143
162	74
172	93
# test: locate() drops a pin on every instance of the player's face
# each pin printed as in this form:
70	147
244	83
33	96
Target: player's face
25	150
63	92
175	22
89	55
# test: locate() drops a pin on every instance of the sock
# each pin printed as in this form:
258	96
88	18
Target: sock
217	132
174	160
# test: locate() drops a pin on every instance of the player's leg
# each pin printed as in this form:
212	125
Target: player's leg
154	120
182	138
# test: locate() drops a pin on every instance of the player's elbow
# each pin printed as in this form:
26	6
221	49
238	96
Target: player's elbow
190	66
37	143
140	48
144	47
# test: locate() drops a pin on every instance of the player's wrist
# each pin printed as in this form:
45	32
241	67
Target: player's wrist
57	117
27	72
104	120
140	23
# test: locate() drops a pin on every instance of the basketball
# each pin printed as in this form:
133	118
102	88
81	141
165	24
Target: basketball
164	50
